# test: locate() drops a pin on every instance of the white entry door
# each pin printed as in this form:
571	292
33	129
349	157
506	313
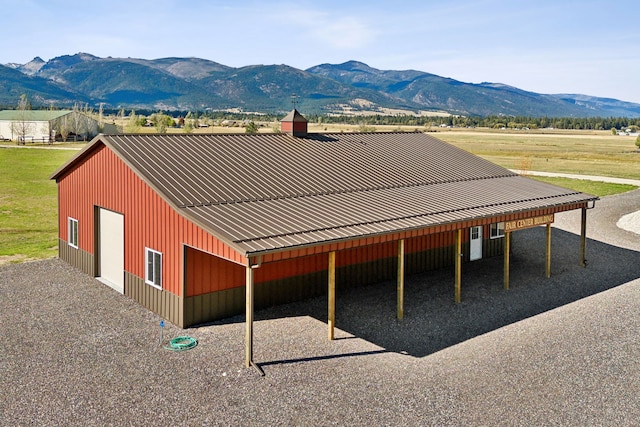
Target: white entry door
475	243
111	249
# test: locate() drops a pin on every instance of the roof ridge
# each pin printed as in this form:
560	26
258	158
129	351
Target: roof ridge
309	135
347	191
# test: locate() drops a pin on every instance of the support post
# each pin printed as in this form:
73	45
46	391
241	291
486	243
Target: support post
458	266
583	238
249	317
507	258
400	313
548	263
332	295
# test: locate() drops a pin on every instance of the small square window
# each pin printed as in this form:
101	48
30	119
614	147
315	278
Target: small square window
475	233
154	268
497	230
73	233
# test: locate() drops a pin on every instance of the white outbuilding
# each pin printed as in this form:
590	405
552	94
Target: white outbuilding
46	125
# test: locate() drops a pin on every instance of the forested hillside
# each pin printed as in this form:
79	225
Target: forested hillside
194	84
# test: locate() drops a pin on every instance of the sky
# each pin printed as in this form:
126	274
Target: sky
588	47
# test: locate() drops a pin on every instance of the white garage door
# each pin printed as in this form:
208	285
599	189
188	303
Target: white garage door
111	251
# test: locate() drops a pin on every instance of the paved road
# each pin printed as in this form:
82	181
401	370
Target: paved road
613	180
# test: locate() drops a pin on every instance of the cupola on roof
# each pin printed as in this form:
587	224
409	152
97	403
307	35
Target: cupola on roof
294	124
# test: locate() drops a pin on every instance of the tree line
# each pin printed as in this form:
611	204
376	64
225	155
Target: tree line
368	122
495	122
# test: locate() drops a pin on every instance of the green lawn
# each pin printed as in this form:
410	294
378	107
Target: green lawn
599	189
28	203
578	152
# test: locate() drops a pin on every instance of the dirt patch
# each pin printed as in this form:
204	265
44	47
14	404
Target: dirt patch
12	259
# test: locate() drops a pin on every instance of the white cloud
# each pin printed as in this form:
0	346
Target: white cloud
342	33
326	29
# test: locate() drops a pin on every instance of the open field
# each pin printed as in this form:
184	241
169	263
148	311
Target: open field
579	152
28	201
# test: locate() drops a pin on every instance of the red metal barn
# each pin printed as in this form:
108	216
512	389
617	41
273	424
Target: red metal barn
183	223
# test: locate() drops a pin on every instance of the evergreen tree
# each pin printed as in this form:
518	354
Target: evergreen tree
251	127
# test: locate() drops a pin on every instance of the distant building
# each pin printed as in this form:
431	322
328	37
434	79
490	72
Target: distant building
47	126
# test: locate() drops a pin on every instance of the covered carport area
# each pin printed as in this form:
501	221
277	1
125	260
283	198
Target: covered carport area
508	223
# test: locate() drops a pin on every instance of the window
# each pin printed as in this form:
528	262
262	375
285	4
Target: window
154	268
497	230
475	233
73	233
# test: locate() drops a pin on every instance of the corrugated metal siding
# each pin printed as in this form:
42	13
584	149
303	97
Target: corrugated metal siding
360	266
291	289
213	306
299	128
163	303
419	262
82	260
438	240
290	267
286	127
104	180
414	233
33	115
492	247
205	273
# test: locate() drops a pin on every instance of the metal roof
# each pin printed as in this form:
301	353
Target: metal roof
294	116
33	115
268	192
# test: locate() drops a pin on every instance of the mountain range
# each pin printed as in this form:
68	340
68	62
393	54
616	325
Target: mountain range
189	84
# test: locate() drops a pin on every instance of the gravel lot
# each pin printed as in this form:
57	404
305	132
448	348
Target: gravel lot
558	351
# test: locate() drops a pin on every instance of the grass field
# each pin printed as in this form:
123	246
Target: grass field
28	203
585	153
600	189
28	199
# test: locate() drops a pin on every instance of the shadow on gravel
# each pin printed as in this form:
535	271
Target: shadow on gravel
433	321
318	358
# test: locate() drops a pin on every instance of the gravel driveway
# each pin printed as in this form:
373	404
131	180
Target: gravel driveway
558	351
